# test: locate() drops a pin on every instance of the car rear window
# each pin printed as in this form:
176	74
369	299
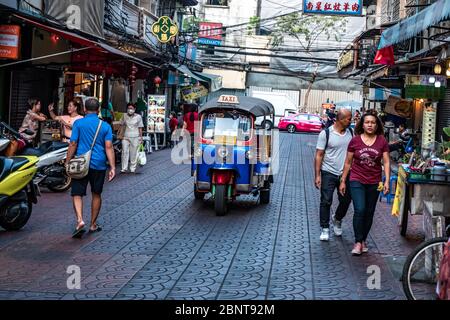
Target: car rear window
302	117
314	118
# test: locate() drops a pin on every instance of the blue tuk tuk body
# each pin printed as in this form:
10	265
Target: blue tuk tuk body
231	156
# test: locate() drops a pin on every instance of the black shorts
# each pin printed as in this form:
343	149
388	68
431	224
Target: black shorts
96	179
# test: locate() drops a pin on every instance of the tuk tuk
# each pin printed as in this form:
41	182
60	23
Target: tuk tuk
231	155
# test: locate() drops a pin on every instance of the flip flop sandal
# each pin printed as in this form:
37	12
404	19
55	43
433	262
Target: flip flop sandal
98	229
77	233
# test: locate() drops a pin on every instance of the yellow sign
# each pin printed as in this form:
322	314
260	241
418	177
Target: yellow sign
228	99
164	29
192	93
345	60
399	201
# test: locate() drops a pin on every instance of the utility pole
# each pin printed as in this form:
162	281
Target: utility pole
258	14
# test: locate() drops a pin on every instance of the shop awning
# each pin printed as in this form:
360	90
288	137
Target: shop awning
83	41
412	26
215	81
186	71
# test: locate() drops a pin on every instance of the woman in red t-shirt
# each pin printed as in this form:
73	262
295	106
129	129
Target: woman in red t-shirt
189	121
366	152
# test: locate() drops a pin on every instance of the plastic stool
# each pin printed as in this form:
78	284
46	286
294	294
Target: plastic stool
391	194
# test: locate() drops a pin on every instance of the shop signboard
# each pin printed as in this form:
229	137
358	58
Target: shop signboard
165	29
400	191
345	60
328	7
194	92
83	15
156	114
9	42
210	33
188	51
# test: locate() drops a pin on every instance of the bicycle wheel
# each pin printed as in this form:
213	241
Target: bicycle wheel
421	270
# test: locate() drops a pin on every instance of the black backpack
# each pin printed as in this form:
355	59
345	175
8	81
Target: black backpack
327	134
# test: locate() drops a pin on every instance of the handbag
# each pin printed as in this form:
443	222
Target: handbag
78	167
141	156
121	132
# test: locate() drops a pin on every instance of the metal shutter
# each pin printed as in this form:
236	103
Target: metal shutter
443	115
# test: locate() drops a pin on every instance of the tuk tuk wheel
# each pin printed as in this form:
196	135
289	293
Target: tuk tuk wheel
198	195
220	202
264	196
267	124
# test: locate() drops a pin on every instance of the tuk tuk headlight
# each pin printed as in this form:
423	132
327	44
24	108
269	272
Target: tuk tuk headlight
198	152
222	152
250	155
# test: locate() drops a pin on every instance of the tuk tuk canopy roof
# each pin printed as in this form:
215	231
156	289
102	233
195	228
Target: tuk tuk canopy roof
255	106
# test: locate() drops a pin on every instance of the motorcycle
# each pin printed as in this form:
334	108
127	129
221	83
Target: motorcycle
18	192
51	170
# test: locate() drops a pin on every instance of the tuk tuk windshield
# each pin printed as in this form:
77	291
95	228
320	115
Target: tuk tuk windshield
229	125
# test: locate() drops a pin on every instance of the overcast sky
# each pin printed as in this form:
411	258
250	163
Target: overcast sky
355	25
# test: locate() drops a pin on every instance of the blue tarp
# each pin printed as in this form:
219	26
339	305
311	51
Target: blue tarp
412	26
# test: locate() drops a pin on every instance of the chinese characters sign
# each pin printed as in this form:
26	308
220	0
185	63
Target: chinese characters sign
9	41
342	7
164	29
210	33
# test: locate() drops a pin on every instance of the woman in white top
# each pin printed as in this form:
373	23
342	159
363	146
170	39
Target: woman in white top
132	138
73	110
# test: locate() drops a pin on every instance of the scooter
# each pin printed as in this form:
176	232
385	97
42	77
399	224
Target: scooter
18	192
51	171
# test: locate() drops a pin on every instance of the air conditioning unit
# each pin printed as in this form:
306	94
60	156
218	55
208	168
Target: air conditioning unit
371	17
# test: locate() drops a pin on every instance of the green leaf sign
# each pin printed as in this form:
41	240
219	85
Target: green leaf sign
165	29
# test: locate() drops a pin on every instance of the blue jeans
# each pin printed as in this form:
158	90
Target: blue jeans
365	197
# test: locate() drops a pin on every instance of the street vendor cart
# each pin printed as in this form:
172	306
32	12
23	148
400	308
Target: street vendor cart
425	194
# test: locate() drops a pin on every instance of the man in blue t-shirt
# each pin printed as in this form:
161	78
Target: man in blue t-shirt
83	134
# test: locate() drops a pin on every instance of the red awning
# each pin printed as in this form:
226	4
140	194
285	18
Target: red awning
73	37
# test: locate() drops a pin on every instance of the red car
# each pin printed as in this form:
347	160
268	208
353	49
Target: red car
301	122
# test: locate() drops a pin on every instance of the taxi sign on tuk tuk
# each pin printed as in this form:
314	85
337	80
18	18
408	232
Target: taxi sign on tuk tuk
228	99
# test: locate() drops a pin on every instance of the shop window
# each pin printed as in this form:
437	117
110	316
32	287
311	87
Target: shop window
223	3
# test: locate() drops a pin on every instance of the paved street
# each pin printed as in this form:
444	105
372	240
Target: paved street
159	243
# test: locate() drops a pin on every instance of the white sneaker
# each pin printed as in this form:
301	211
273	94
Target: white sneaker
337	226
325	234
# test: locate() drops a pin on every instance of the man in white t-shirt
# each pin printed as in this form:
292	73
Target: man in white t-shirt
331	151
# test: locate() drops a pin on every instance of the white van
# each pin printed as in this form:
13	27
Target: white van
282	104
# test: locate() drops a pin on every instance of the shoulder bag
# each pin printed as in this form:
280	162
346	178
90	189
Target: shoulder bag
78	167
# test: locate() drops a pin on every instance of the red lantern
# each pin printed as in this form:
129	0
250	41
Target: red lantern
157	81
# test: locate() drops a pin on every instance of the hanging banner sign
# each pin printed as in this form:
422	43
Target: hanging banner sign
164	29
210	33
84	15
9	41
341	7
192	93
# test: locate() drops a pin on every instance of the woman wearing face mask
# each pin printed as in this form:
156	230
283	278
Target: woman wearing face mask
132	138
365	154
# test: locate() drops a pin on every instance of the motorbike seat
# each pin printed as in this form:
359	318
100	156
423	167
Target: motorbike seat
18	162
57	145
5	167
43	149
